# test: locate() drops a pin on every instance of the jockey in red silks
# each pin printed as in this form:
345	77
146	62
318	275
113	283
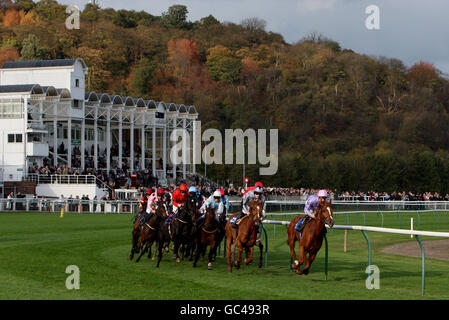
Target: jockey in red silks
179	198
310	207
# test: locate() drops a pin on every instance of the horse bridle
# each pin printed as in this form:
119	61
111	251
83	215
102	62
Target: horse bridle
330	215
203	228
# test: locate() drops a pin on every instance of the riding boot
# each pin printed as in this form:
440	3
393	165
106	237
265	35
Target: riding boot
235	225
302	224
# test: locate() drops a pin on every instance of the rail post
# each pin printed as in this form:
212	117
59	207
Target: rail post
369	246
266	245
326	257
423	258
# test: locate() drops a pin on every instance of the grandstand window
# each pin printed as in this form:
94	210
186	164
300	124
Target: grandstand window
15	138
89	134
76	133
11	108
76	103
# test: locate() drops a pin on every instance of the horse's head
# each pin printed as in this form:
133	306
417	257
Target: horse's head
161	209
183	213
256	209
210	217
326	213
192	208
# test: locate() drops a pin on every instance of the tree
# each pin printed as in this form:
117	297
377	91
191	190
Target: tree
8	54
254	24
50	10
144	78
209	20
26	5
422	74
175	17
222	65
33	50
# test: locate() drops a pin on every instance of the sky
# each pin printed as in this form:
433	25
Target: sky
409	30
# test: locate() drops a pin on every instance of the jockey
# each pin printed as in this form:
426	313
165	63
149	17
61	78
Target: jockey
310	208
143	205
225	200
194	194
255	194
144	199
153	200
213	202
179	198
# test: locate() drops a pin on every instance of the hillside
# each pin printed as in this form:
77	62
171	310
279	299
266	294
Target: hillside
346	121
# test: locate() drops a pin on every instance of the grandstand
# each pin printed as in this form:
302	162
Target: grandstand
48	118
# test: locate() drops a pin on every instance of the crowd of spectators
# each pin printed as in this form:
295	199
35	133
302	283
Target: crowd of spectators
142	179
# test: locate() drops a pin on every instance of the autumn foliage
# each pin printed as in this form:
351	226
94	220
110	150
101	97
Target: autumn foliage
345	120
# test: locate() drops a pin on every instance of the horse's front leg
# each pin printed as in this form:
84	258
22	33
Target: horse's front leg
142	252
198	252
228	252
302	258
249	255
291	244
212	244
309	263
176	245
160	247
239	254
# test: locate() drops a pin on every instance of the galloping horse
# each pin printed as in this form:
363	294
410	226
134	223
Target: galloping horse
312	237
148	231
179	231
207	236
193	209
246	235
220	233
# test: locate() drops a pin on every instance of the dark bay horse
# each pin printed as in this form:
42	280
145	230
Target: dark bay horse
179	231
246	235
136	234
193	208
148	231
207	236
311	237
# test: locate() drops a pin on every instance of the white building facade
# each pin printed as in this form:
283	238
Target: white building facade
48	118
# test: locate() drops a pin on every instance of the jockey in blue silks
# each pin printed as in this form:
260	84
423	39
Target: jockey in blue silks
213	202
310	207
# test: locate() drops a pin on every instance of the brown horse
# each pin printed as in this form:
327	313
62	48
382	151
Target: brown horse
207	237
246	235
312	237
136	235
148	231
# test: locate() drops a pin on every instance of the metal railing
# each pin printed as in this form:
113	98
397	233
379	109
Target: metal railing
61	179
69	205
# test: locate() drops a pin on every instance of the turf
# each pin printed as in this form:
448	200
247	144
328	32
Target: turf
36	248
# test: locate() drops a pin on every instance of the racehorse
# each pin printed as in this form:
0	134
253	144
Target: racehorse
207	237
178	231
148	231
220	233
136	234
193	209
246	235
311	237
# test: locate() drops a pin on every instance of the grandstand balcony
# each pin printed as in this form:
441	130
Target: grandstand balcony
37	149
